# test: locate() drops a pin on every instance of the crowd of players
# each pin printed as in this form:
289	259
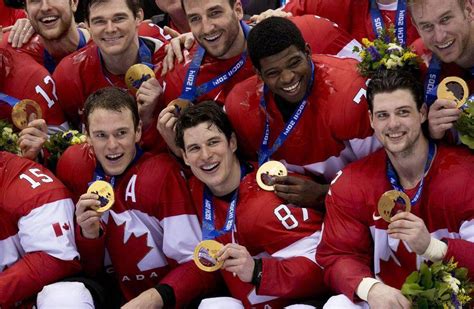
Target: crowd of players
282	85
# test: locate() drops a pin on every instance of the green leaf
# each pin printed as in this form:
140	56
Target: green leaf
413	277
461	273
411	289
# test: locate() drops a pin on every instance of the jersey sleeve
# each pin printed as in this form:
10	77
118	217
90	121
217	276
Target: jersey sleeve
70	90
345	249
290	235
45	216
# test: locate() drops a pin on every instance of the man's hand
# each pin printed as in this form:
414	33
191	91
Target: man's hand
150	299
87	218
382	296
410	228
269	13
300	191
441	117
166	126
147	98
20	33
175	49
237	260
32	138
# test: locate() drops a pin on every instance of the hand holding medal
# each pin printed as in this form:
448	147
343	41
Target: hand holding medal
455	89
179	105
105	192
205	255
267	172
25	111
136	75
389	204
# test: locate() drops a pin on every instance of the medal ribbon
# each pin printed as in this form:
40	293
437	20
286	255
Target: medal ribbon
48	60
144	57
393	177
8	99
432	80
190	92
265	153
99	173
400	25
208	228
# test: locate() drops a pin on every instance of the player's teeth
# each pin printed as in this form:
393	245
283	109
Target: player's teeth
209	167
447	44
291	88
395	135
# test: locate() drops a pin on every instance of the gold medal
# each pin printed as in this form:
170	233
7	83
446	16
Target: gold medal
389	204
453	88
105	192
180	105
205	255
22	111
267	172
136	75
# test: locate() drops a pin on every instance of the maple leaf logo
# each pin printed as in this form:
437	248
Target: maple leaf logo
66	226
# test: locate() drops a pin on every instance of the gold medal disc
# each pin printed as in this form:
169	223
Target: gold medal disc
205	255
180	105
105	192
136	75
453	88
389	200
22	111
267	171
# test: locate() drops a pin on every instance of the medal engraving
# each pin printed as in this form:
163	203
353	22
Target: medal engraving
136	75
105	192
453	88
205	255
180	105
22	111
267	172
391	202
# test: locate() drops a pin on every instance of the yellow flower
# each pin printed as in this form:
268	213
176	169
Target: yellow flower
408	55
75	140
367	43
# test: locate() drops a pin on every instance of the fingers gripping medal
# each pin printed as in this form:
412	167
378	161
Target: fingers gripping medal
22	111
136	75
180	105
267	172
205	255
105	192
453	88
391	202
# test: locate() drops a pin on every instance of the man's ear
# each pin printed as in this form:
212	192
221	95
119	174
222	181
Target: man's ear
424	112
139	17
307	50
371	118
183	155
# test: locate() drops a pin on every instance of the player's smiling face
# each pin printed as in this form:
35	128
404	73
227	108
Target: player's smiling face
113	136
51	19
446	28
212	157
113	27
215	25
397	121
287	73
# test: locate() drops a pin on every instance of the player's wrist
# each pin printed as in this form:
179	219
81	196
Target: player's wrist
257	273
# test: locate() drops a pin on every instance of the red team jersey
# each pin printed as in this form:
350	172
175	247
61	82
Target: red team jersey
353	227
151	226
81	73
22	78
351	15
284	236
8	16
336	41
333	130
36	230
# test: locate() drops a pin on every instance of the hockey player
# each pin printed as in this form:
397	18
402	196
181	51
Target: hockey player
151	226
311	109
367	251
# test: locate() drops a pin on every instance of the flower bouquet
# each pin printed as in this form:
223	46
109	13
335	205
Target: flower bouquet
465	124
58	143
385	52
441	285
8	139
